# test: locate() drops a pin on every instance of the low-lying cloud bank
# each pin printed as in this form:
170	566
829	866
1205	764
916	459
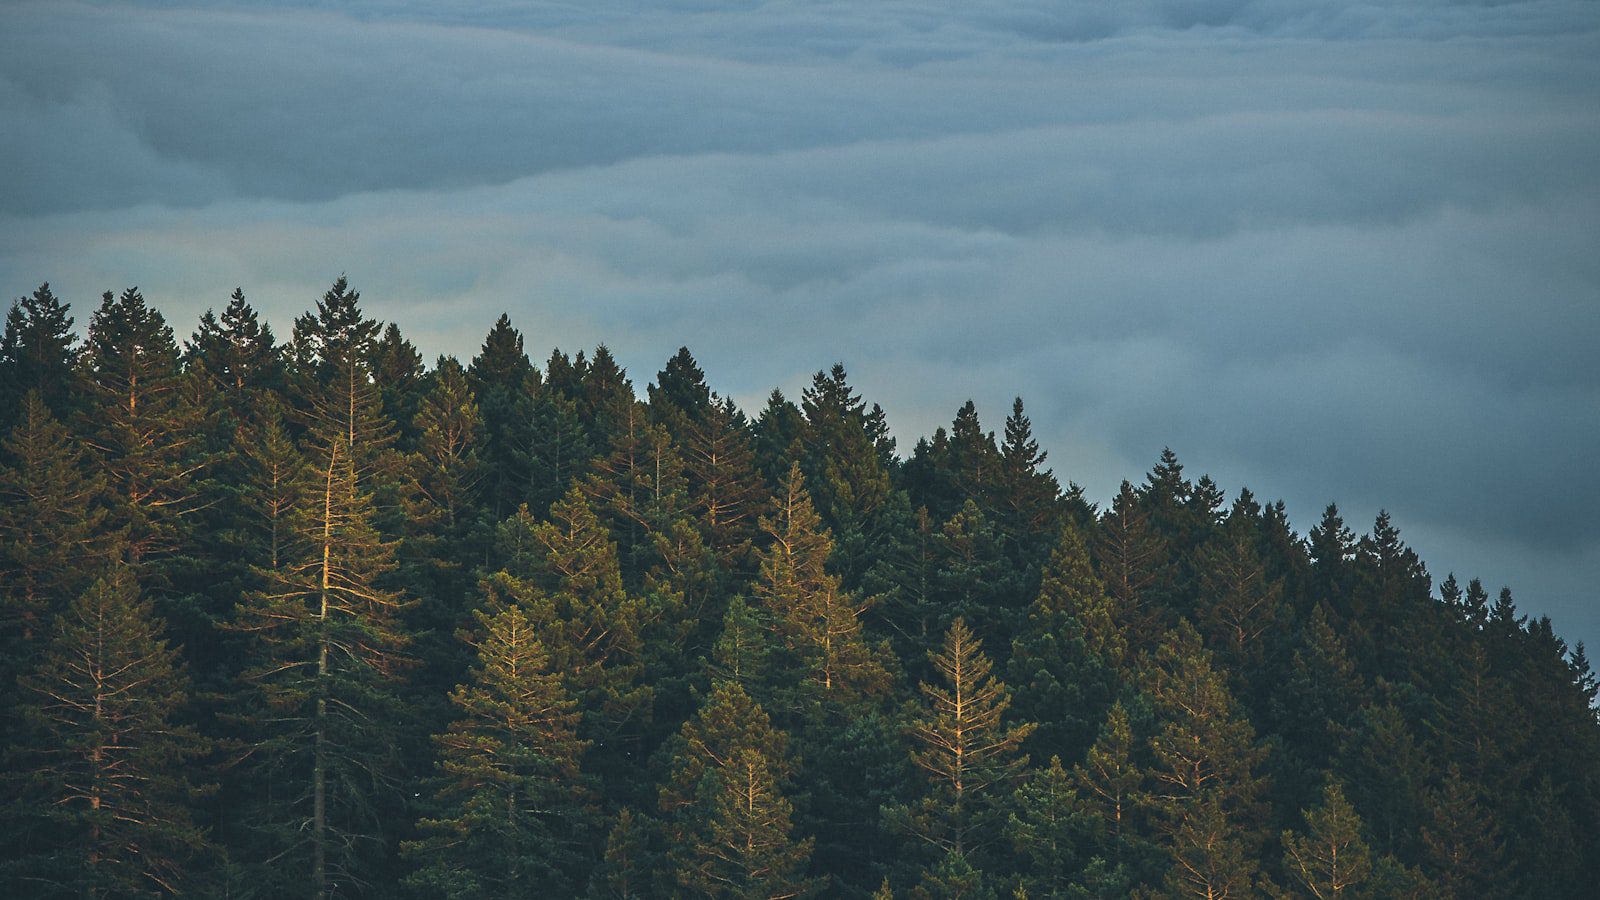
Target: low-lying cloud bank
1330	251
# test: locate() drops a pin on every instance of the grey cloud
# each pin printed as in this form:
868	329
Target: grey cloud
1329	251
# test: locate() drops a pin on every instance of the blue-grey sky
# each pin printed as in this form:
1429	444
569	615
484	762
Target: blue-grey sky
1330	251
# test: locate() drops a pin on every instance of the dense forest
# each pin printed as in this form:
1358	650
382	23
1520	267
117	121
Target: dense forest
317	619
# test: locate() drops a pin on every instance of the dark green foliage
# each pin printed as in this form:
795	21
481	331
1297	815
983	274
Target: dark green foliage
1066	660
37	353
1329	858
512	806
144	427
727	821
99	774
49	531
718	620
970	755
816	621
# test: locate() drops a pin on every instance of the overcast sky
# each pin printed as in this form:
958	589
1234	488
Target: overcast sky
1329	251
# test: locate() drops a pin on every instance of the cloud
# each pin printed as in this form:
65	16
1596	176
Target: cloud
1330	251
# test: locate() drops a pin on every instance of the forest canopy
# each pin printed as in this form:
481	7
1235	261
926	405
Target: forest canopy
314	617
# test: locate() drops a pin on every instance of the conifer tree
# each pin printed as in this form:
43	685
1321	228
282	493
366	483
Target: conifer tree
512	807
679	397
446	531
975	581
816	619
970	755
144	427
320	701
37	353
1387	772
1330	859
568	579
725	490
905	579
398	371
1204	792
1462	844
101	781
555	447
1239	604
1132	559
1110	782
846	457
1065	660
1048	830
235	354
727	821
500	376
778	434
627	866
49	529
1027	503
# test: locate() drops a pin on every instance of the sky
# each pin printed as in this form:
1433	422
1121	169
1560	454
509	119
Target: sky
1333	252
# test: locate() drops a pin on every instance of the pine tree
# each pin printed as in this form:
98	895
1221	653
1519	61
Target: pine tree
778	437
1132	559
724	487
512	806
1331	859
102	785
446	532
1204	788
1387	772
237	354
143	425
905	579
727	821
1239	603
49	530
37	353
816	619
1049	829
846	459
320	702
627	866
1109	781
500	376
555	447
679	396
398	372
1066	659
970	755
1027	505
975	580
568	579
1462	844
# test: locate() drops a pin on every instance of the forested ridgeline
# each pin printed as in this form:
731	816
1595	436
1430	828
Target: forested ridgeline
316	619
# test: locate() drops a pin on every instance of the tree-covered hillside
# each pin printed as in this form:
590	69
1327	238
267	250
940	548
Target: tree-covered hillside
315	618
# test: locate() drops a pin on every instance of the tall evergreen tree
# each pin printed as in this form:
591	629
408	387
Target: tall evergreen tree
102	784
500	376
727	822
970	754
143	425
1134	562
817	620
1066	659
49	531
320	700
512	807
1204	792
37	353
1330	859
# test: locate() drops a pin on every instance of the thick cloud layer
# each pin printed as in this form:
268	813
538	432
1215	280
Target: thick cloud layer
1331	251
